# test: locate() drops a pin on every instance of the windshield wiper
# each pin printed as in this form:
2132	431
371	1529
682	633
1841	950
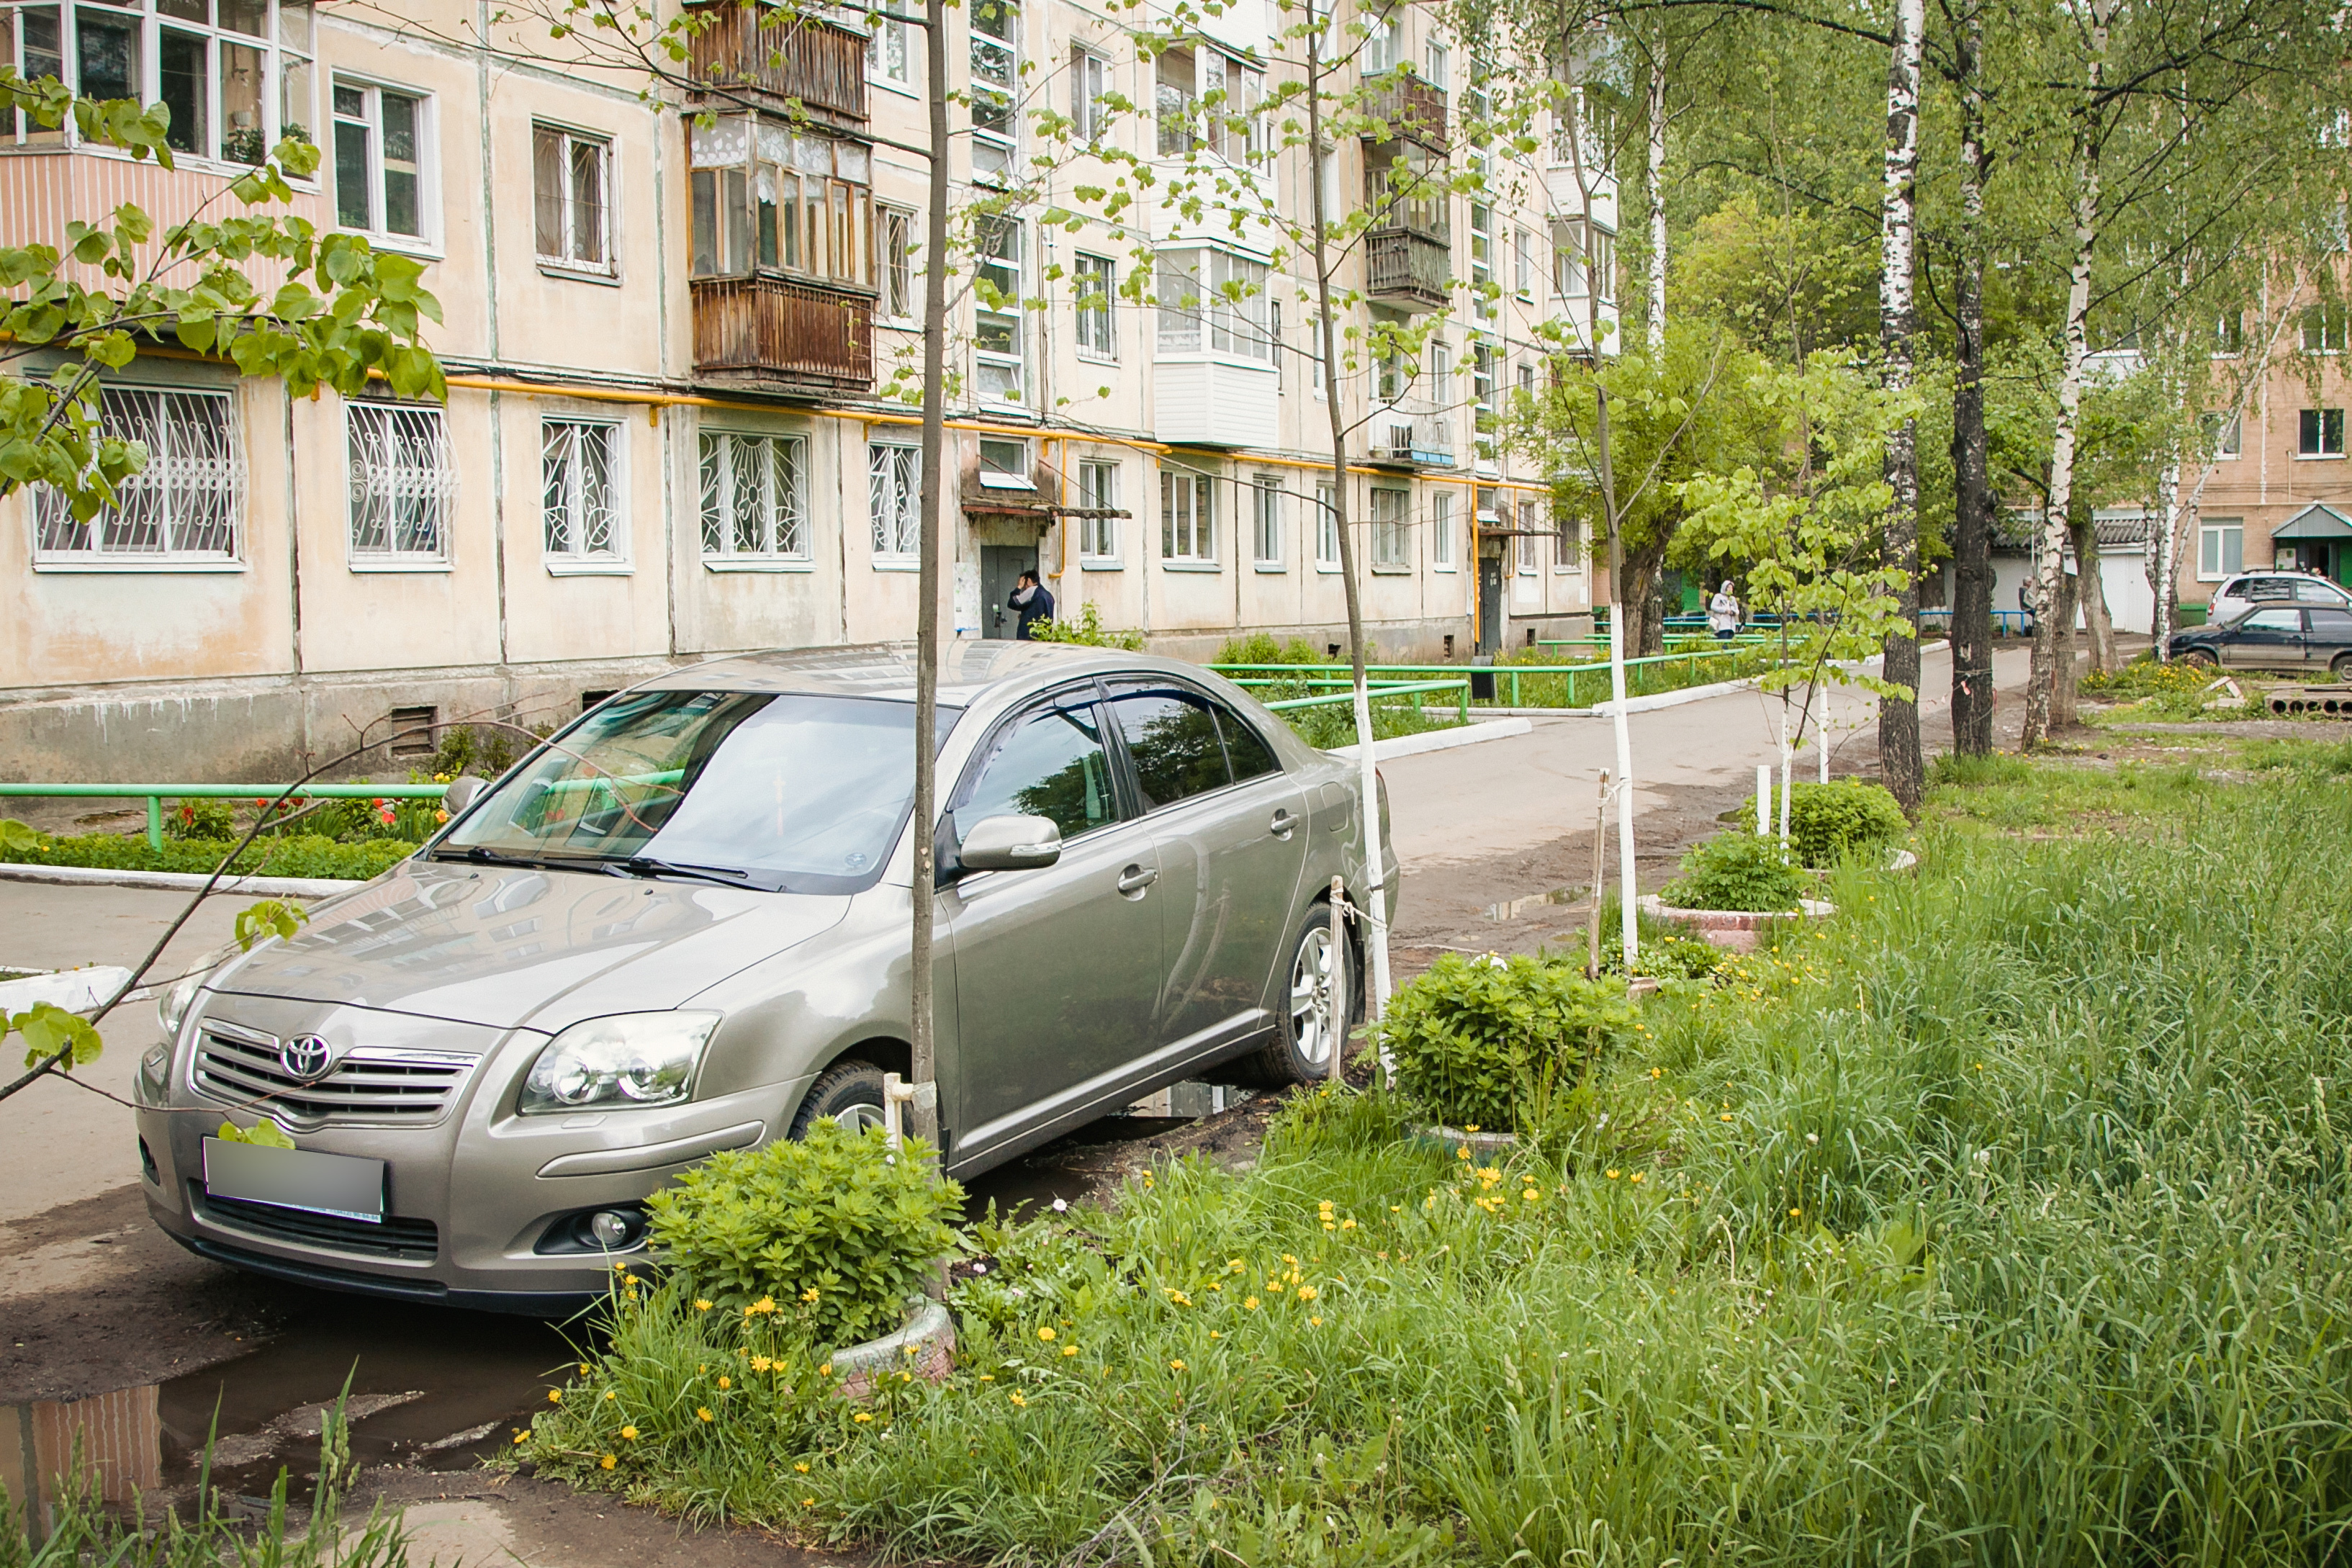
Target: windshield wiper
648	866
481	855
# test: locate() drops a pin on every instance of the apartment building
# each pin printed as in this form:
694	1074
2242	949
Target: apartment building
2279	494
672	323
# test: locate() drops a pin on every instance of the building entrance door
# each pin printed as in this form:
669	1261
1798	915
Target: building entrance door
1490	603
1000	566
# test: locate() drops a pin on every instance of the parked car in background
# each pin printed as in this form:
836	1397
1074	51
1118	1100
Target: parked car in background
2290	638
2249	590
682	925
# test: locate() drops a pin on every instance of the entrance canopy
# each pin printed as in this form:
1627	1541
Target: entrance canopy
2316	521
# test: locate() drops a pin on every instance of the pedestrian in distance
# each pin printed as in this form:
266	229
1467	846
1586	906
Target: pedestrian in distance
1032	603
1723	614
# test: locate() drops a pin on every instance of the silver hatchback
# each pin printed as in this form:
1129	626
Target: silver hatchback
682	925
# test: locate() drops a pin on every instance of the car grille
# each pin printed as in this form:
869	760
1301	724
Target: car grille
409	1240
403	1087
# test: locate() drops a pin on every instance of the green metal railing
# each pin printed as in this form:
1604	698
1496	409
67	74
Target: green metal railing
155	794
1510	674
1389	688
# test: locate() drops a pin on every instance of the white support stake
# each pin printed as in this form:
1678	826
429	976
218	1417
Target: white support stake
1763	799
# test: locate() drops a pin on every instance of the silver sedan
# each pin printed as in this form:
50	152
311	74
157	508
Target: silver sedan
682	925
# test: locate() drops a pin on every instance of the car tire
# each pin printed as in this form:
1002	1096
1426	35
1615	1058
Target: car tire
1301	1051
2196	657
2341	670
848	1091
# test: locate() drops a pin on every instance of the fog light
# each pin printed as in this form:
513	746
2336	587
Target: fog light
621	1228
612	1227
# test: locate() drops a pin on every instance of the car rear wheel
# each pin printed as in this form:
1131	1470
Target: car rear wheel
848	1091
1305	1032
2341	670
2196	657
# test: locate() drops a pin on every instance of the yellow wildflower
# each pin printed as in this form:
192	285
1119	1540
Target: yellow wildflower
1069	1350
1046	1335
1019	1402
701	1305
1176	1366
1249	1304
630	1433
555	1396
702	1412
726	1383
802	1467
606	1462
863	1417
1306	1292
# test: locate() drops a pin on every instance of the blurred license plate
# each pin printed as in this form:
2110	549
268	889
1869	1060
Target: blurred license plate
296	1179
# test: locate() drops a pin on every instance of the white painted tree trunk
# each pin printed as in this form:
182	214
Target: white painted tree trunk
1899	761
1657	324
2163	557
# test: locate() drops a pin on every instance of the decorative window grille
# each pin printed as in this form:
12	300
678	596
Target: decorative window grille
895	484
580	489
402	483
186	504
753	496
897	275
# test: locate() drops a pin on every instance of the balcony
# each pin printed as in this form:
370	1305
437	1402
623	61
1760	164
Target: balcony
1409	107
775	335
1403	437
777	62
1408	269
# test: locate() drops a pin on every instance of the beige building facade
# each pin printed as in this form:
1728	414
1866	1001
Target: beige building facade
672	428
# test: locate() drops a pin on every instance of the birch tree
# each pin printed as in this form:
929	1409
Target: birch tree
1899	761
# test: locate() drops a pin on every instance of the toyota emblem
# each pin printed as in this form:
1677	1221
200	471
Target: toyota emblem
304	1058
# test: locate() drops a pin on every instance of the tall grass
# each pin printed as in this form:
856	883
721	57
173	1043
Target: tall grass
2003	1220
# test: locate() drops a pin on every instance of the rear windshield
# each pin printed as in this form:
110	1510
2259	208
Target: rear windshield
792	793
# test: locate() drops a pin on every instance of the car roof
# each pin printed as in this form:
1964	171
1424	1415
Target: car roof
969	670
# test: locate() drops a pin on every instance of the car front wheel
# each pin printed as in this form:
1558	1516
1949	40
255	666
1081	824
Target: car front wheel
2341	670
2196	658
1305	1028
848	1091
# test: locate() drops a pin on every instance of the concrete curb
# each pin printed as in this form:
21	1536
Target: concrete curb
176	881
1439	740
75	990
1718	688
924	1346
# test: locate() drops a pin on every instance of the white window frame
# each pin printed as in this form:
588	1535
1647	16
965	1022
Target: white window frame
894	489
428	185
1566	545
1441	531
1523	264
569	143
894	250
2228	434
1010	368
565	498
2322	452
994	153
1098	541
1096	278
1391	534
1435	58
1212	327
374	484
1188	518
990	470
1090	82
780	512
1327	527
1265	522
888	63
180	477
2213	539
286	90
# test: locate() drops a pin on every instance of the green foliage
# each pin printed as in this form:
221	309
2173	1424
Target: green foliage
293	854
50	1031
1829	821
1262	648
831	1232
200	819
486	751
1471	1037
269	917
16	835
1953	769
265	1133
1089	629
1736	870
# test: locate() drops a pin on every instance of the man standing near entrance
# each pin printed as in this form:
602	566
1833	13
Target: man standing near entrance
1031	602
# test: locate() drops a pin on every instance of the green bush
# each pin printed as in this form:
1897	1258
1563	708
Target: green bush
1471	1037
1736	870
1829	821
833	1232
199	819
292	855
1088	629
1260	648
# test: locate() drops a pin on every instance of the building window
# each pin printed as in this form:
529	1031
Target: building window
894	493
996	321
1568	269
1236	132
1096	288
186	505
766	198
380	137
897	263
995	81
2321	433
1004	464
1528	548
1392	528
1482	261
1441	531
885	50
1089	84
1434	58
1265	520
754	497
235	76
1604	265
1567	543
2224	434
2220	549
1484	419
1218	291
402	483
1318	338
1174	91
1327	528
2324	329
580	489
1098	493
570	182
1523	264
1187	517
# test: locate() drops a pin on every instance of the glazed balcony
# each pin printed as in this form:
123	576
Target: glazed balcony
778	335
1402	436
780	61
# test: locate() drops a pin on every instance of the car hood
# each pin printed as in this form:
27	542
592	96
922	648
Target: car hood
509	946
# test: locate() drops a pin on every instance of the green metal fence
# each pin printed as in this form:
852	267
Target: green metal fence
1507	677
1386	689
155	794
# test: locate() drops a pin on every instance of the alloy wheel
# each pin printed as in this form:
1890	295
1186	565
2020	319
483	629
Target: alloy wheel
1310	993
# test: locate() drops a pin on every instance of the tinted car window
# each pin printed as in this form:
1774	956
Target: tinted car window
2264	589
1172	736
2274	621
1245	748
2334	626
1050	763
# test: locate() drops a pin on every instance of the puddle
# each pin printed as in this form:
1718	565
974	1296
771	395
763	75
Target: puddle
1516	907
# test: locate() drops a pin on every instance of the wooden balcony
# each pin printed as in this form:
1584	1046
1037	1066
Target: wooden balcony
1408	269
782	336
1409	107
777	62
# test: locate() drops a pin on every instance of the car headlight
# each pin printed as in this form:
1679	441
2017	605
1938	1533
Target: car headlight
172	1007
155	1071
616	1063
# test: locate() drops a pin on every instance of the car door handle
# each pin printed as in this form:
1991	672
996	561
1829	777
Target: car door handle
1284	823
1135	879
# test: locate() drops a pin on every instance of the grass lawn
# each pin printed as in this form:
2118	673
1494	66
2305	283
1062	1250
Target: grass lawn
2002	1220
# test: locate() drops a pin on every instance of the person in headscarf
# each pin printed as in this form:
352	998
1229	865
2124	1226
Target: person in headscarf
1723	614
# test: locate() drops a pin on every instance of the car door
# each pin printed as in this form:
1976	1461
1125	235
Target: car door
2267	638
1058	968
2327	636
1230	827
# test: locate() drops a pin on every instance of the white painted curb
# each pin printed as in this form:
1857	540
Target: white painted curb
1439	740
75	990
1718	688
177	881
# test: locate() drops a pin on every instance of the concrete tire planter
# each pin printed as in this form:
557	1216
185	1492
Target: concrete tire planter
1734	931
925	1346
1480	1143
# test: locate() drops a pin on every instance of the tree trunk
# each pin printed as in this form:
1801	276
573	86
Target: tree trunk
1899	762
2164	560
1972	576
2062	690
925	1121
2090	591
1657	321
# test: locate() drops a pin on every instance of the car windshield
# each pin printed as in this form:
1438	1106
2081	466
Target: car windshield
794	793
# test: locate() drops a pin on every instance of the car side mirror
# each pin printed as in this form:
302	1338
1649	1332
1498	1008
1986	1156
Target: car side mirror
1009	844
461	793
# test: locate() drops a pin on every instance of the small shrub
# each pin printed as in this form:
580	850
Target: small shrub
1736	870
199	819
833	1232
1471	1037
1088	629
1829	821
1260	648
1969	773
291	855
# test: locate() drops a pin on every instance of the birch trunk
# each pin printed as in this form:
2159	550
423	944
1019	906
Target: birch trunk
2163	557
1657	323
1899	762
2091	593
1972	576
